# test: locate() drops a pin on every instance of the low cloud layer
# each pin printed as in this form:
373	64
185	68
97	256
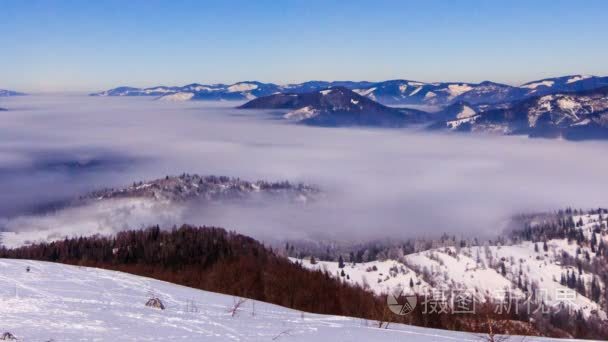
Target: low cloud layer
378	183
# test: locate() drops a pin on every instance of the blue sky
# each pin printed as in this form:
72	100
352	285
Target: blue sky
90	45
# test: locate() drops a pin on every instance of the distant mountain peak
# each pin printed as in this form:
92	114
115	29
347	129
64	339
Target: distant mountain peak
335	106
6	93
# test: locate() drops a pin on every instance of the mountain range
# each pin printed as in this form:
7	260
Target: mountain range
569	115
391	92
337	106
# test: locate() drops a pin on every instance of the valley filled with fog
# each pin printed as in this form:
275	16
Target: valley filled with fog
376	184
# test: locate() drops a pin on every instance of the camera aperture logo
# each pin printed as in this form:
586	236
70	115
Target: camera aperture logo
401	304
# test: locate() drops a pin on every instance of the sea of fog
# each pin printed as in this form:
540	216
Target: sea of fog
377	183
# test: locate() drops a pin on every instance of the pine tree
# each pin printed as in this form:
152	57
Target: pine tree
572	280
340	262
580	286
536	247
545	247
595	291
519	285
411	283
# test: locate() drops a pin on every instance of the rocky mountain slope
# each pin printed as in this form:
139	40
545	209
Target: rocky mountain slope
570	115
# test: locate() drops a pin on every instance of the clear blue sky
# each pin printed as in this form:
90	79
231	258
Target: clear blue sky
89	45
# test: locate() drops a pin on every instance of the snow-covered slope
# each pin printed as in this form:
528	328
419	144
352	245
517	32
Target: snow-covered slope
237	91
564	84
476	270
69	303
380	276
177	97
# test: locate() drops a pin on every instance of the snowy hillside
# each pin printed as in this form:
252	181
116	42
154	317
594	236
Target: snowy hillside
487	272
380	276
68	303
443	268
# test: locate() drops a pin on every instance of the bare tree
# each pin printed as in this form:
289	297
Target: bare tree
491	335
282	333
237	304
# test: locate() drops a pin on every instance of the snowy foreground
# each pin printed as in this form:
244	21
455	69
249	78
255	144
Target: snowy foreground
66	303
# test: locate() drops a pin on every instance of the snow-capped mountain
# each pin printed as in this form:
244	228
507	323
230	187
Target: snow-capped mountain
4	92
337	106
130	91
320	85
236	92
572	83
573	115
490	92
391	92
414	92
